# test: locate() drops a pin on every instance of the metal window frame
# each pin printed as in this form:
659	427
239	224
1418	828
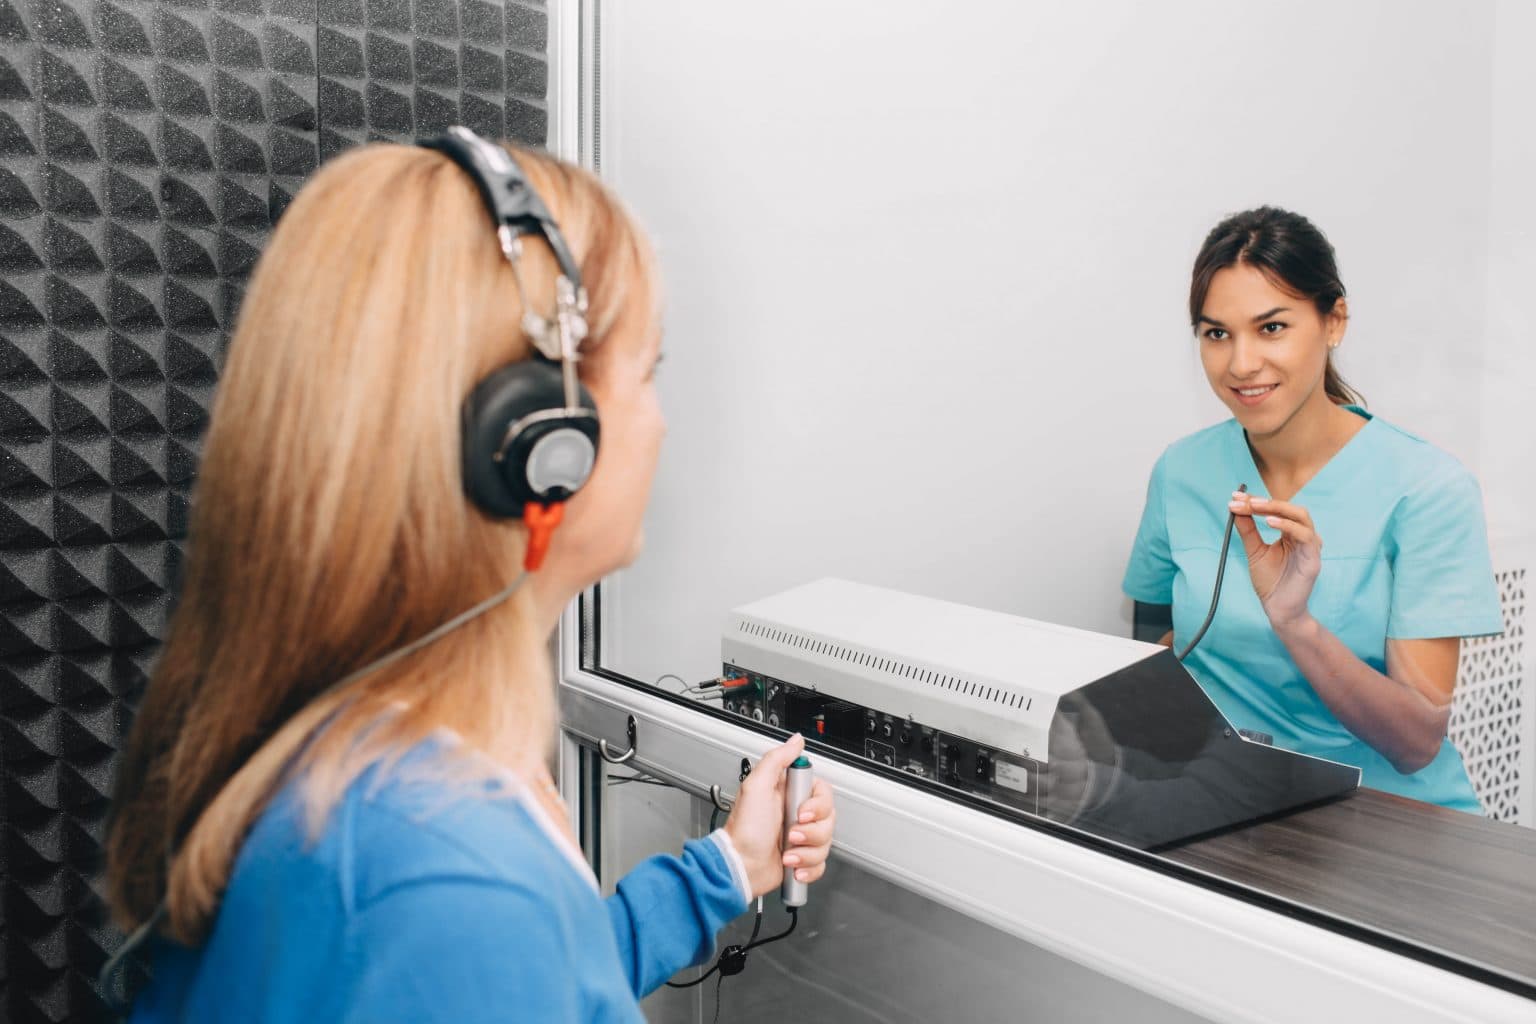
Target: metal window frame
1191	944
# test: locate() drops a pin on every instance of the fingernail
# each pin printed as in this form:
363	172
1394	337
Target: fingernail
797	838
806	816
791	859
802	875
1272	520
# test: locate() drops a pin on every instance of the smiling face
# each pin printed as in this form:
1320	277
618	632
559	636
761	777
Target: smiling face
1265	349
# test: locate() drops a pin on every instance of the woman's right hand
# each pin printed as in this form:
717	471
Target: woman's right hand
756	824
1284	572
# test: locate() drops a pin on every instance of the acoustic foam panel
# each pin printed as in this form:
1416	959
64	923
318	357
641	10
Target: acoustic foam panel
146	149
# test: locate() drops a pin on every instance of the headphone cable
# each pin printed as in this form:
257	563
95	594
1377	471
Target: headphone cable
733	959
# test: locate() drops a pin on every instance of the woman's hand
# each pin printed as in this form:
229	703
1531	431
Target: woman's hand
1284	572
756	824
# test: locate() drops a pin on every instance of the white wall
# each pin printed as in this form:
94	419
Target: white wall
927	267
1508	443
1508	447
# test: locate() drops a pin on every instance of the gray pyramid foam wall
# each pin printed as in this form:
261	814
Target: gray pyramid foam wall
146	148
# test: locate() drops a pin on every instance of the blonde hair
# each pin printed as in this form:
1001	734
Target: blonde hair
330	526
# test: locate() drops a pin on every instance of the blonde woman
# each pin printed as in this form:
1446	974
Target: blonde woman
394	848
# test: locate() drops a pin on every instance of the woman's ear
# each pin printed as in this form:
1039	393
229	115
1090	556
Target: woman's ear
1335	323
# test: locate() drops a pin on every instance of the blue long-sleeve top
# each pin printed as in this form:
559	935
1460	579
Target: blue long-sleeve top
426	899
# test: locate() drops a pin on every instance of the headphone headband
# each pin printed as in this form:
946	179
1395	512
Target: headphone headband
509	197
530	430
517	210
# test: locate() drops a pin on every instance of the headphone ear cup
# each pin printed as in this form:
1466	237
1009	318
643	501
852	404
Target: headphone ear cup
520	445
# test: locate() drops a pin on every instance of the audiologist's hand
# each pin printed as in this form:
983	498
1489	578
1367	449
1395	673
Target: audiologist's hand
756	824
1284	572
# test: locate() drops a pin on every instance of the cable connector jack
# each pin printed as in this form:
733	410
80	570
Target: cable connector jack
733	960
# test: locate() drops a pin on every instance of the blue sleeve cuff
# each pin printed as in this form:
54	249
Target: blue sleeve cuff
722	840
1431	627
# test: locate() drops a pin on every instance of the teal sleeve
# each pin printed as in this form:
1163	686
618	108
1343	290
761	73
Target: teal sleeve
462	950
667	911
1442	573
1149	576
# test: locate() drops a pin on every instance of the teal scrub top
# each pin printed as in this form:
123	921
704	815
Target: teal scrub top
1405	555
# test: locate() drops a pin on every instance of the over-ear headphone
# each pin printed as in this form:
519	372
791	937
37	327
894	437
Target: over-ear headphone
530	429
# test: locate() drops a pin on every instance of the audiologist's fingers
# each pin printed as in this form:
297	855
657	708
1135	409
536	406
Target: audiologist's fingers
1283	509
1249	533
1297	532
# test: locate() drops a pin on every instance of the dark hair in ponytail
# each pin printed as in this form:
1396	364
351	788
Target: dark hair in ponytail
1290	251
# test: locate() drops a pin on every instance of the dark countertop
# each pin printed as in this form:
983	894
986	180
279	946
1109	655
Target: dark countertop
1438	879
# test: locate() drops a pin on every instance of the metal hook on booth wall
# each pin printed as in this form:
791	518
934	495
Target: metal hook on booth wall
626	756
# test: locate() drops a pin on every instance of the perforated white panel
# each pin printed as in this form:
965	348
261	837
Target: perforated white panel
1494	701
